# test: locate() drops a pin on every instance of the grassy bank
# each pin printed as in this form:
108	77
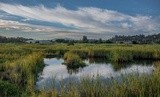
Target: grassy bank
116	53
20	74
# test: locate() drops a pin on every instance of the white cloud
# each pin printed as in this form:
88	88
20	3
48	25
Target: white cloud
26	19
88	19
9	24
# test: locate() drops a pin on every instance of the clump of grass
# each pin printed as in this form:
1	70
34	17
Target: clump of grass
23	72
9	89
121	56
72	60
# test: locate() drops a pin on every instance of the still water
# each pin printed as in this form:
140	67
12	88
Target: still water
55	71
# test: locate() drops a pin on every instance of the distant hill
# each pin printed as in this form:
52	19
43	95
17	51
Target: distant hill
137	39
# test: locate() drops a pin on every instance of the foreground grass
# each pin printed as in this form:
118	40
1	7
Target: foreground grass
20	64
18	77
130	86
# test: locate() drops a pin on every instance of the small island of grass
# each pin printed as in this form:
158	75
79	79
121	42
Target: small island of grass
72	60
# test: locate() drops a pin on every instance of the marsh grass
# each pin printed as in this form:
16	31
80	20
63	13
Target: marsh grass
130	86
72	60
20	64
23	72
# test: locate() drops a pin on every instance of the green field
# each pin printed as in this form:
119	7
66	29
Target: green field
21	63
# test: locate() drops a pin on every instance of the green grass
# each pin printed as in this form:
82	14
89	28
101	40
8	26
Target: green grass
73	60
8	89
20	70
113	52
20	64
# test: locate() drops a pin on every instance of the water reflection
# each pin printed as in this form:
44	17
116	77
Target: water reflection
117	66
55	70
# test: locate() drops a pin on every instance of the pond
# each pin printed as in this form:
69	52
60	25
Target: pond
55	72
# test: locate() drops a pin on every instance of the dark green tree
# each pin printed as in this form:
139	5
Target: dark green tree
85	40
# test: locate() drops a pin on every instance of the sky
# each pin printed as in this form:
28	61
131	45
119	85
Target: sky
50	19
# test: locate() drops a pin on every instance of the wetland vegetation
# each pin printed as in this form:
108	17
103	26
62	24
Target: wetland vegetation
21	64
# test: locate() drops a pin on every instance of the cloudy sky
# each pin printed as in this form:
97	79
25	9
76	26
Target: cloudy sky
49	19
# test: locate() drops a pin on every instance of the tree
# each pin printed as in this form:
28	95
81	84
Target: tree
134	42
100	40
85	39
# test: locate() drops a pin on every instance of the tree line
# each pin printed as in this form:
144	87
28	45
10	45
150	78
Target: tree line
136	39
12	39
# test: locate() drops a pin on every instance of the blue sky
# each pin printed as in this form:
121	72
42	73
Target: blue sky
49	19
